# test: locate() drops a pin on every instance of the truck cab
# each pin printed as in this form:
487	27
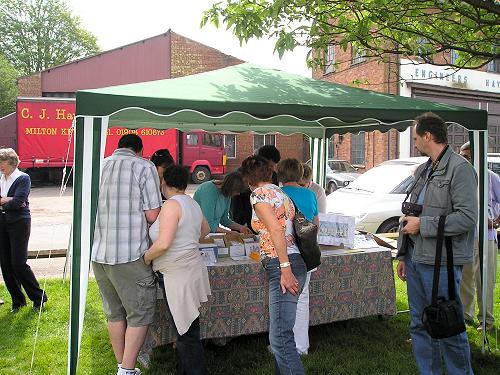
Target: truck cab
203	153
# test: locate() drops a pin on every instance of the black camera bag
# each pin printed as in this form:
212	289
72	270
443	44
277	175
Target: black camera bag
444	317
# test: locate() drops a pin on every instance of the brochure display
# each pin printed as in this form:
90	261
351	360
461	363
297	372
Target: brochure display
336	230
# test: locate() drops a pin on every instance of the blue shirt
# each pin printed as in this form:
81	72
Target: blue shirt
304	199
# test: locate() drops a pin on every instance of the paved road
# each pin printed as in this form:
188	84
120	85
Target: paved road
51	226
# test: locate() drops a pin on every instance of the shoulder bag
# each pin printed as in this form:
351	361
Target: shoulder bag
306	237
444	317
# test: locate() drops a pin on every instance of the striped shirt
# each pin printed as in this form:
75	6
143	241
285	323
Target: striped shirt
129	186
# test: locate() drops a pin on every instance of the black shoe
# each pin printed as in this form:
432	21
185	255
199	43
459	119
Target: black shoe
38	305
15	309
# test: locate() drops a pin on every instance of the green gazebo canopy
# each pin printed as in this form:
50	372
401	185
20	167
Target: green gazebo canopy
250	98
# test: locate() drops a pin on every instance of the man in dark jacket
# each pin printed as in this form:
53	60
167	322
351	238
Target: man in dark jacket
445	185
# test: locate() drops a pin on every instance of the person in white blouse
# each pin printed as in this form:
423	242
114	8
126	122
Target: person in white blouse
319	192
174	253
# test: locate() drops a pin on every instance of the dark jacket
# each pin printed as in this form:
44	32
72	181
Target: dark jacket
18	208
451	191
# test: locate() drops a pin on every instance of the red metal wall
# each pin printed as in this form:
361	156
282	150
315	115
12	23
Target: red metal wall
142	61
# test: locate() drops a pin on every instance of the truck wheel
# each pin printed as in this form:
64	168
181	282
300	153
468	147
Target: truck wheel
389	226
200	175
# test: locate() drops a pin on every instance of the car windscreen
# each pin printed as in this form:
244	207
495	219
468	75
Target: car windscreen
383	178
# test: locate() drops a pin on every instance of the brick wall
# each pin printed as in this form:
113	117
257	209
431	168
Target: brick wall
30	86
290	146
190	57
371	75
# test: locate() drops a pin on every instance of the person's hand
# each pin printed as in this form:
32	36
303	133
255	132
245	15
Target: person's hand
401	270
147	260
288	281
412	225
244	229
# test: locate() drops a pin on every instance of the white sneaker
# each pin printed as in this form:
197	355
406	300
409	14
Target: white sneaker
122	371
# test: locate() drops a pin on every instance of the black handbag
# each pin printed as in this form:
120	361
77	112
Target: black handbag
306	238
444	317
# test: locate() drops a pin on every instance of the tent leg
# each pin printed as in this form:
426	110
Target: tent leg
88	153
480	148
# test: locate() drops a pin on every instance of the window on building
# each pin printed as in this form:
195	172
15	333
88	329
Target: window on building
212	140
358	55
261	140
330	59
230	145
453	56
423	50
192	139
358	148
493	65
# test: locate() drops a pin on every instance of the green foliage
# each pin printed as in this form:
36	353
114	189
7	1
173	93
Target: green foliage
8	88
39	34
381	27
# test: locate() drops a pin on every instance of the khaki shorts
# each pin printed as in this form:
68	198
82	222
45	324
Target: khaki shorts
128	292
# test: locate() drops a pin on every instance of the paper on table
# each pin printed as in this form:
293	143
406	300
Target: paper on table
362	241
239	257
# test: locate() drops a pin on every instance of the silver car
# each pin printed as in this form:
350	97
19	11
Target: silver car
375	197
339	174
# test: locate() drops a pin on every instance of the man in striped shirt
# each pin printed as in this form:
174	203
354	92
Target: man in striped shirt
129	201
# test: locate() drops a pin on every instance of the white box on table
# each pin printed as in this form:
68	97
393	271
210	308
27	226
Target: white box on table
336	229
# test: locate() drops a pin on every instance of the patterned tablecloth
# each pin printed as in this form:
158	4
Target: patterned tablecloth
348	284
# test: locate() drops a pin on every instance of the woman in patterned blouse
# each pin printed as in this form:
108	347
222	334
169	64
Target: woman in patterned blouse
272	217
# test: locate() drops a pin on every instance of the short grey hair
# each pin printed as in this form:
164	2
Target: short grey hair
10	156
465	146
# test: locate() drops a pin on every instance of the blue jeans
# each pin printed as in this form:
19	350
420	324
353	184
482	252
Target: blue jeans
455	350
282	310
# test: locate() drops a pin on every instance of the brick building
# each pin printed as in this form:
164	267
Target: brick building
468	88
164	56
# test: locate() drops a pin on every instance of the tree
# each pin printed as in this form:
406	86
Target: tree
379	27
39	34
8	88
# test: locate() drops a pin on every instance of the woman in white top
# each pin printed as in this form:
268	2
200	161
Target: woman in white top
174	252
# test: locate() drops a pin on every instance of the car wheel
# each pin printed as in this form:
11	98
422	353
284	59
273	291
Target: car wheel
332	186
200	175
389	226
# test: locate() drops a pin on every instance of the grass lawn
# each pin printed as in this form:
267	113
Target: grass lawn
361	346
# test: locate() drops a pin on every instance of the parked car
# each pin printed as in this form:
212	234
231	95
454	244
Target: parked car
375	197
339	174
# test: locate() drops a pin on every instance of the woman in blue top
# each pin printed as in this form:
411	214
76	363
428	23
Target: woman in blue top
214	198
290	172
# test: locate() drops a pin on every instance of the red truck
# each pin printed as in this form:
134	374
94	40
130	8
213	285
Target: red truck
42	139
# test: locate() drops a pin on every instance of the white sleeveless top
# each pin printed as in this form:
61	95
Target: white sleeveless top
188	230
184	273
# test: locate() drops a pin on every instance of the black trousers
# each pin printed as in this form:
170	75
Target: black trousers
16	272
190	357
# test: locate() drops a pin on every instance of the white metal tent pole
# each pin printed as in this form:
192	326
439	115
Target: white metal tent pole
88	150
318	159
480	164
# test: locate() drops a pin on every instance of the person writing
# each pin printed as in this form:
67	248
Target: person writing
214	198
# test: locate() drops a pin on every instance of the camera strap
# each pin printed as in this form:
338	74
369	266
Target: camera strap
434	167
437	263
